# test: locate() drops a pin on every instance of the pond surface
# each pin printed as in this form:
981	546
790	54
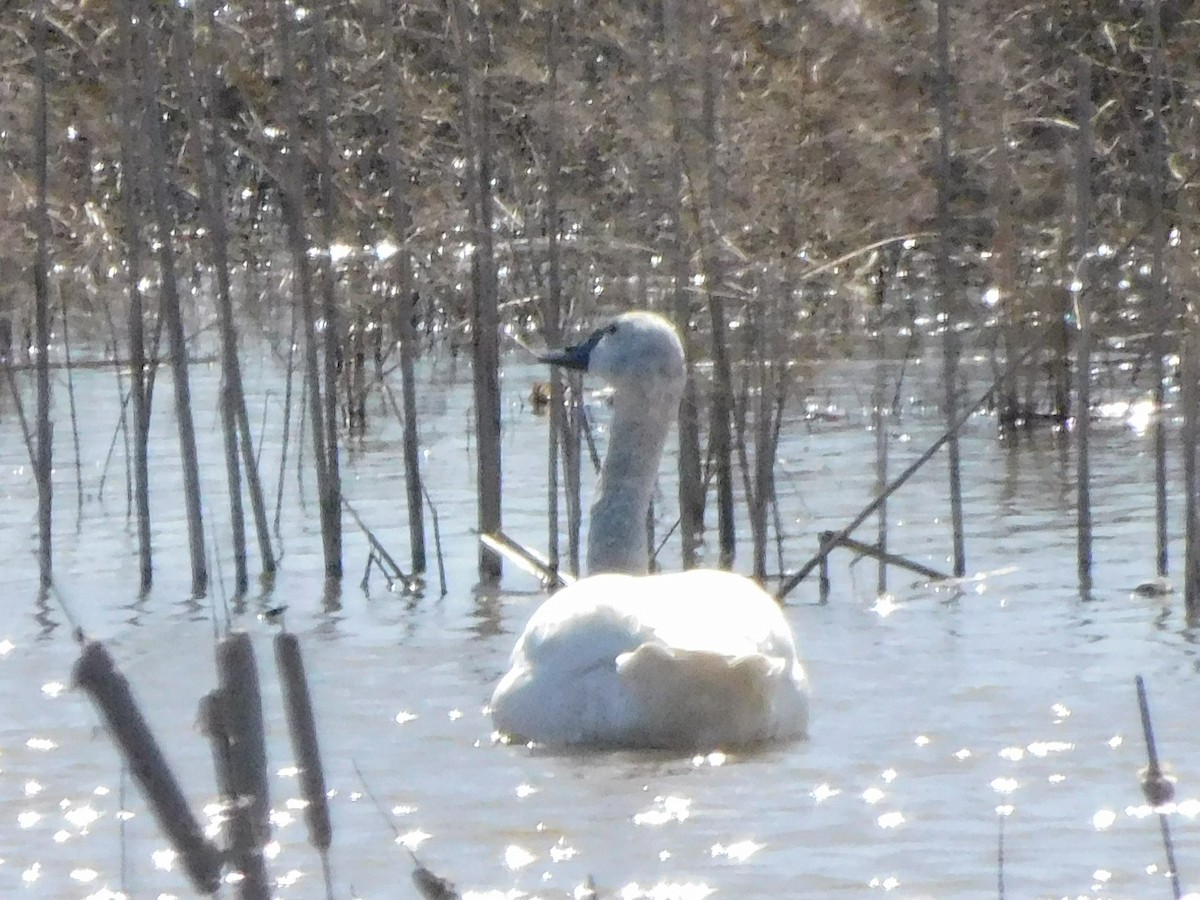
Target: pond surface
932	706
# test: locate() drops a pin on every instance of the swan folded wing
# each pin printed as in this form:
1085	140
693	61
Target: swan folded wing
715	611
698	699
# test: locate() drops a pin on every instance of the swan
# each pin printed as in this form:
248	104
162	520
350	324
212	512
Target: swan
694	660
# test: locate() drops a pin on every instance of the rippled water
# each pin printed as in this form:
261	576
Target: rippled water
931	707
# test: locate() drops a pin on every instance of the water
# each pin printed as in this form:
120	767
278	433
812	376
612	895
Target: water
931	707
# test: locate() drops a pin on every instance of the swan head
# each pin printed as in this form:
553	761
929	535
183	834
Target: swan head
635	353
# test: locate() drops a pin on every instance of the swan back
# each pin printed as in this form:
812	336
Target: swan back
691	660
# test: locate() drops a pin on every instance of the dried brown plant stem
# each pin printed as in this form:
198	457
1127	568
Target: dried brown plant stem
692	489
552	305
43	461
1163	315
947	280
1083	316
70	370
721	411
404	302
1157	787
146	50
331	488
132	196
292	210
472	38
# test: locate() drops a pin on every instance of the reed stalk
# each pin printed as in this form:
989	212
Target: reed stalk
1162	317
552	305
721	410
286	428
879	420
220	231
472	43
131	198
692	490
331	488
1083	316
947	280
405	300
44	460
1009	411
145	49
1190	400
1157	788
292	210
78	460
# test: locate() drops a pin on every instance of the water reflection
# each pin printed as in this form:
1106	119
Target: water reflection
933	704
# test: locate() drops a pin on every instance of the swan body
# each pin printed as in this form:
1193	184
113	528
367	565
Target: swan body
692	660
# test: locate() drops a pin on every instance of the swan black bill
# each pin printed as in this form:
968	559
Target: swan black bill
576	357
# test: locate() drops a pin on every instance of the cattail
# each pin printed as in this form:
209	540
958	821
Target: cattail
97	674
303	730
242	709
212	724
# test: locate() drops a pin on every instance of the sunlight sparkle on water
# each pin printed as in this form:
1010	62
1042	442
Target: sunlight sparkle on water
164	860
81	817
891	820
888	884
1003	785
561	851
964	753
84	876
1012	754
666	809
287	879
517	857
666	890
7	647
403	718
739	851
873	795
885	605
28	818
40	744
1103	819
32	787
823	792
1041	749
413	839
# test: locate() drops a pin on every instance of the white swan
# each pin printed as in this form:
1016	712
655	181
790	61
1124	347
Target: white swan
694	660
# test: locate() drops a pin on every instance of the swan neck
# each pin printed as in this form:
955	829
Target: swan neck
617	540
